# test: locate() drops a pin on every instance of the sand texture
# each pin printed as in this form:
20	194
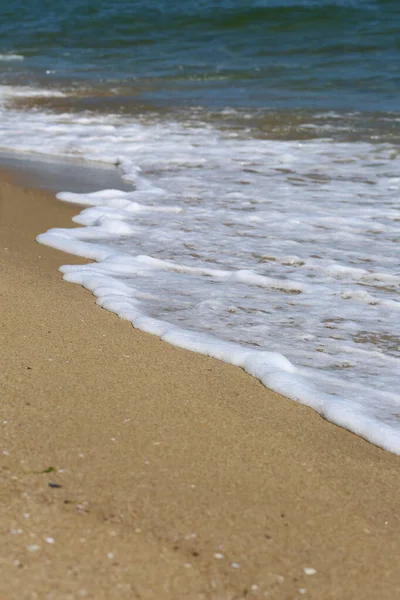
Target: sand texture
179	477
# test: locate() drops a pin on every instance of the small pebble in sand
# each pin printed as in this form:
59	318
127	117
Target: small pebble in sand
49	540
110	555
26	515
187	566
219	555
309	571
33	548
254	587
16	531
235	565
6	452
302	590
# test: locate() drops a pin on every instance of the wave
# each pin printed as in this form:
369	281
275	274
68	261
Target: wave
11	57
13	92
234	15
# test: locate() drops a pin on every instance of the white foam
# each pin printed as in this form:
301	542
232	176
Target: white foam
11	57
276	256
9	92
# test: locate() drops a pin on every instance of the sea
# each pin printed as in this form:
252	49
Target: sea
257	144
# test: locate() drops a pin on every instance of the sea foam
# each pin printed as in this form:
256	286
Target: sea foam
11	57
276	256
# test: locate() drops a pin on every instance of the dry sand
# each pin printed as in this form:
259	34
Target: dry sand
179	477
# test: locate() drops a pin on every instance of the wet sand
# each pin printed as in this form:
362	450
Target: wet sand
132	469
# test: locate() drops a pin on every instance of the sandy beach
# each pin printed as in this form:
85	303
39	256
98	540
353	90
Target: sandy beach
132	469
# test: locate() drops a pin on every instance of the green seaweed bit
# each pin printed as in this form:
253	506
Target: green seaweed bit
49	470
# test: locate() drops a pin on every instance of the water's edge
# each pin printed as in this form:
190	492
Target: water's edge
272	369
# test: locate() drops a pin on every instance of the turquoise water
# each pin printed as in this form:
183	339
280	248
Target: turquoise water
264	54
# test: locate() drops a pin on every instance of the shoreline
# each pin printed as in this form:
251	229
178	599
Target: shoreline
184	476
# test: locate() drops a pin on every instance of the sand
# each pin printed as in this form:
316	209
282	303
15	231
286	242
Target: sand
177	476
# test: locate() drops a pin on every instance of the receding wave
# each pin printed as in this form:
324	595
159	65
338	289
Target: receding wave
248	250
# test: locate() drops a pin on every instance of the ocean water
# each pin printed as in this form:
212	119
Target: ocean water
260	139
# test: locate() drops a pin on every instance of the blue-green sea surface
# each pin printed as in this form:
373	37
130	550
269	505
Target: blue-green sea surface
310	54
